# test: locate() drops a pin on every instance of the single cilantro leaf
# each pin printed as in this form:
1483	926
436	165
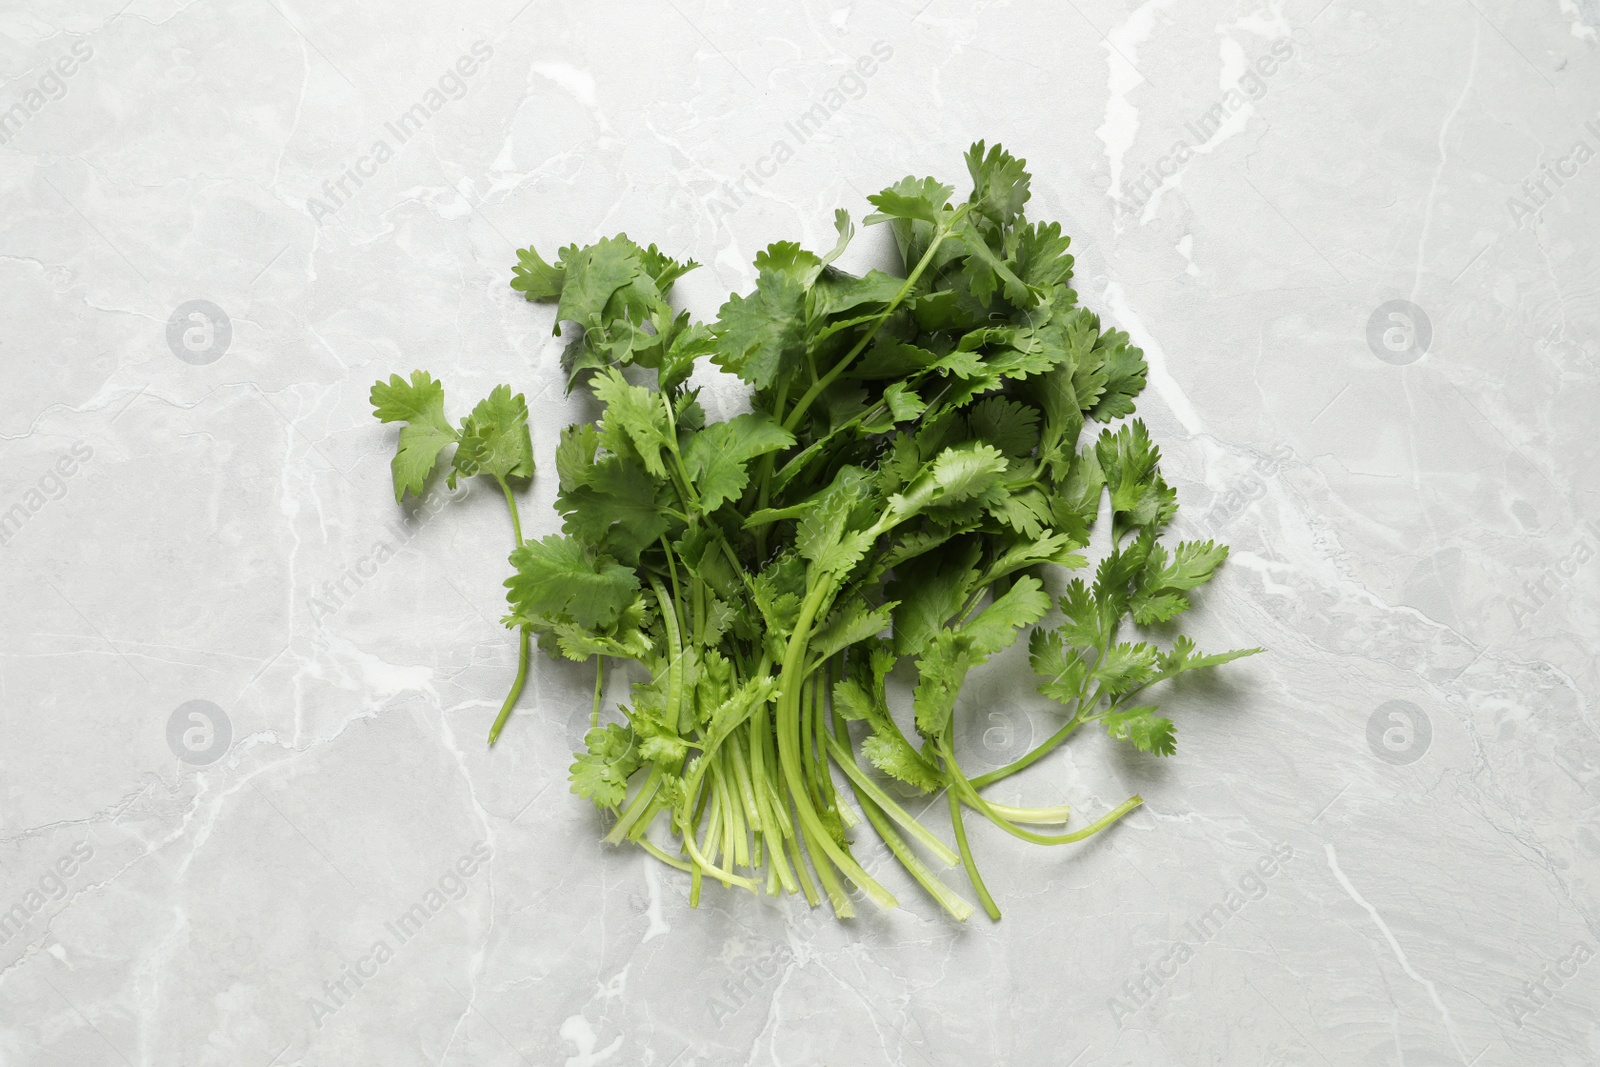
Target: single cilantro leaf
732	712
689	343
1085	622
851	700
951	653
575	455
961	473
420	404
634	415
930	591
761	337
1183	657
828	535
903	402
941	668
1124	666
846	230
1159	590
1128	458
787	257
1026	512
717	456
1193	564
1055	548
601	773
836	292
914	199
1011	427
1041	256
1143	729
495	438
1139	495
659	742
1162	607
534	278
1117	571
891	753
1060	666
1124	372
1024	604
560	576
618	507
963	363
999	183
850	624
593	276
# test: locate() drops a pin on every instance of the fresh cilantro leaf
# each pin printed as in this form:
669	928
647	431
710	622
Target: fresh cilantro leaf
996	626
558	576
575	455
1011	427
717	456
1060	665
913	199
1041	257
1124	373
1162	607
903	402
601	773
633	415
930	591
420	404
592	276
892	754
965	472
1142	728
1183	657
850	624
495	438
618	507
999	183
851	700
761	337
1085	620
1124	666
1193	563
536	279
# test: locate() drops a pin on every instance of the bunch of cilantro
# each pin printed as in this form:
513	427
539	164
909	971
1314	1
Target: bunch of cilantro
915	458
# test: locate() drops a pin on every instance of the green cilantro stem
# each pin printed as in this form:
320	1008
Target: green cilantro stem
523	641
1033	816
671	861
599	687
788	730
868	790
971	865
741	772
641	802
803	873
511	505
1029	758
960	782
516	686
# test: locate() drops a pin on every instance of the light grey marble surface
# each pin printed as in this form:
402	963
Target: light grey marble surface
1409	490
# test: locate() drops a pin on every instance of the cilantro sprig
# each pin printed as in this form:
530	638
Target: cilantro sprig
915	468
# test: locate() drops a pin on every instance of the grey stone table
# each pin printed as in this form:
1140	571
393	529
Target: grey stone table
247	816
